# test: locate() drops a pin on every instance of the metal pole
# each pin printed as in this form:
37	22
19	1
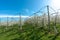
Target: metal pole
48	18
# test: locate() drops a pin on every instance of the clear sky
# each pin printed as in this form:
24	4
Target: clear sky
28	7
8	7
25	7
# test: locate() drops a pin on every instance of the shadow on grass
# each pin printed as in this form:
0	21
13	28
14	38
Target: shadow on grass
12	34
55	36
16	39
6	31
31	38
32	35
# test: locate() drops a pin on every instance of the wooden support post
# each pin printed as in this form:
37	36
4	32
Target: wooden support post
48	18
20	22
7	23
0	21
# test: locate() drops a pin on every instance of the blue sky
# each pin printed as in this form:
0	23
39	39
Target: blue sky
8	7
25	7
28	7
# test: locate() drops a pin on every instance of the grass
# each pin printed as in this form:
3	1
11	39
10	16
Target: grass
29	32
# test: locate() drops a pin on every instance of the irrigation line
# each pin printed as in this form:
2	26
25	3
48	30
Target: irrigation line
40	10
52	9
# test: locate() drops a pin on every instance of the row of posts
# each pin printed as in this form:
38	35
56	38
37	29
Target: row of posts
20	24
55	29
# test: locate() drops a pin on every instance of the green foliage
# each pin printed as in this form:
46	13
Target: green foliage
28	32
